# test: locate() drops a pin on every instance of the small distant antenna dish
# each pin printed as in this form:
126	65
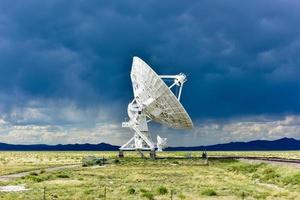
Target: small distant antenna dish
153	100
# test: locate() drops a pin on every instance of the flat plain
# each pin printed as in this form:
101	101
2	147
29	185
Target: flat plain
174	175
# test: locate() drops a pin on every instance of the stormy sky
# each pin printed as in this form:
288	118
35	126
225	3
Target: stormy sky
64	68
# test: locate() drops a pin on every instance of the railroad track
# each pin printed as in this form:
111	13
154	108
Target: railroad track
273	159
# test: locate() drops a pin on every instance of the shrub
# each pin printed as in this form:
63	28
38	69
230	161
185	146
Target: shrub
162	190
88	191
269	174
92	160
131	190
148	195
34	178
37	178
209	192
33	174
54	196
62	176
175	162
143	190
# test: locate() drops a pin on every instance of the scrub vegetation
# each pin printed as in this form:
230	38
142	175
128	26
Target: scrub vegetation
172	176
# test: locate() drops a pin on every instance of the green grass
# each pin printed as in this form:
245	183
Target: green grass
135	178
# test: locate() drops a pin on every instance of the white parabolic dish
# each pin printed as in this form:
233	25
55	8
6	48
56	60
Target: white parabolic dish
153	100
161	105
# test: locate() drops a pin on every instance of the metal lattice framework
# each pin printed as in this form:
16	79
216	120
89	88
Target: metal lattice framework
153	100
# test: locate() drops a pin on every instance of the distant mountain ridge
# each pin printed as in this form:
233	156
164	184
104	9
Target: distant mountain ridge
282	144
58	147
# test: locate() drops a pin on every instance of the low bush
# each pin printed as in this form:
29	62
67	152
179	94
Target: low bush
62	176
88	191
209	192
162	190
33	174
92	160
175	162
116	161
143	190
149	195
131	190
36	178
269	174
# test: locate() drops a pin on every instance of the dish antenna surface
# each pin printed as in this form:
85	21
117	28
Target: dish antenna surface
153	100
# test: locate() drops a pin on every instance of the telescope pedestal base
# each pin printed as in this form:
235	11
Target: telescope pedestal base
141	141
152	153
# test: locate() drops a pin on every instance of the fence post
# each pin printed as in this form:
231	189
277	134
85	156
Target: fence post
44	193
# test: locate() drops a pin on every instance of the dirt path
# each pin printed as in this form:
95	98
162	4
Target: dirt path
10	177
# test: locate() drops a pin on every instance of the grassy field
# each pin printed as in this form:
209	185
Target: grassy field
135	178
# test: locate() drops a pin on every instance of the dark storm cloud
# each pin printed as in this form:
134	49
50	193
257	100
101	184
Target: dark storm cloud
242	58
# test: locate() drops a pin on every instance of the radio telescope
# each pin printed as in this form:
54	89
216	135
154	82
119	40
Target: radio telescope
153	101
